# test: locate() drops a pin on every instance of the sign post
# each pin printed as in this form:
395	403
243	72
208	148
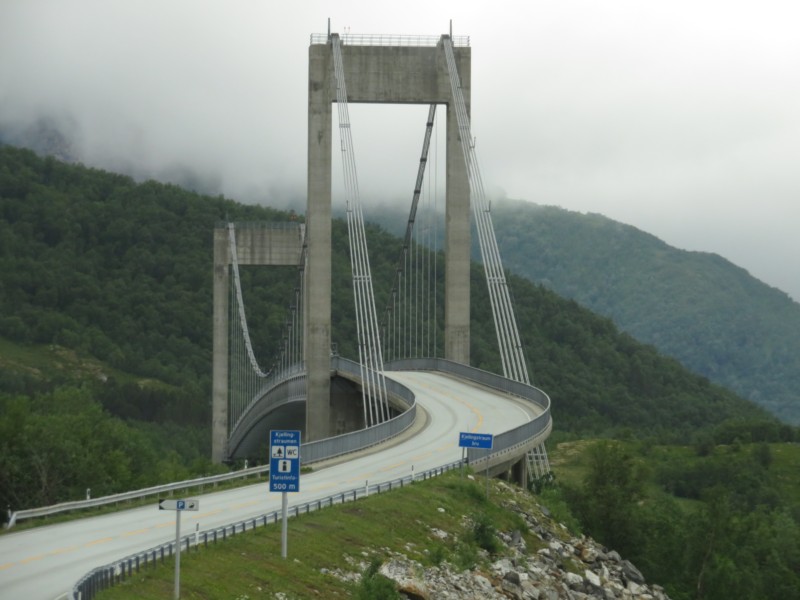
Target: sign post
478	440
179	506
284	472
177	593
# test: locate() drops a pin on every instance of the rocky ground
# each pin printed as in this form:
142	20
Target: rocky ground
560	567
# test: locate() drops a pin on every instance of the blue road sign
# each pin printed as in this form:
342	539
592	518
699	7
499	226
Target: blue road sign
475	440
172	504
284	461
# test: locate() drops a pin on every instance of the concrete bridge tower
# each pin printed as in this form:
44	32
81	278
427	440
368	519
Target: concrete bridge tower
389	70
275	244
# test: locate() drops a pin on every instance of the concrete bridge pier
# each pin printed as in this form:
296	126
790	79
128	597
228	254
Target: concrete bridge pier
518	473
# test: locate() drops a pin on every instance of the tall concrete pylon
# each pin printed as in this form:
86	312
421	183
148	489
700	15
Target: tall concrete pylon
277	244
375	70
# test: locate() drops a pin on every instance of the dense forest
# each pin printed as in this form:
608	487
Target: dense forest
712	316
105	342
718	519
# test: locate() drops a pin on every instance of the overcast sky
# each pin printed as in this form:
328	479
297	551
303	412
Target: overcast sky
681	118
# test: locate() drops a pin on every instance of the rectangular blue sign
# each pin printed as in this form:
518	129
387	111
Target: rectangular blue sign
284	461
475	440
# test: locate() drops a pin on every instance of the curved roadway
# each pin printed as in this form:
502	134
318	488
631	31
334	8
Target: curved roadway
44	563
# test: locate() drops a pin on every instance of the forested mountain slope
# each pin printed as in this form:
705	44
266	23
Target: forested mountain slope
122	271
105	361
711	315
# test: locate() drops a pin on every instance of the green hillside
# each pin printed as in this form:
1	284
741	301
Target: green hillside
120	272
697	307
105	355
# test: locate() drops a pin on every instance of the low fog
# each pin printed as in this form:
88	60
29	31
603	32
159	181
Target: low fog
679	118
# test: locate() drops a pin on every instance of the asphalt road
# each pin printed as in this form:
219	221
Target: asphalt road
44	563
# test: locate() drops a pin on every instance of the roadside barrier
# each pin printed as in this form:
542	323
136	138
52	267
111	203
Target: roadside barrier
118	571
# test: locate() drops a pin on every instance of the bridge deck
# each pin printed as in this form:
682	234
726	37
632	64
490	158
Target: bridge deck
44	562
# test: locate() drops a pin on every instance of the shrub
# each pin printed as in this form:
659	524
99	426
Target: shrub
374	586
484	533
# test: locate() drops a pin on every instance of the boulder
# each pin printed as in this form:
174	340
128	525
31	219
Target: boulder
574	581
631	573
408	576
513	577
593	578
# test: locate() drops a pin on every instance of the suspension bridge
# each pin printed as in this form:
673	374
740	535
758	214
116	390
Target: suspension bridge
400	401
422	326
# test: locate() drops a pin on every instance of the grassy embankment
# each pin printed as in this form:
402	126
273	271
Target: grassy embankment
345	537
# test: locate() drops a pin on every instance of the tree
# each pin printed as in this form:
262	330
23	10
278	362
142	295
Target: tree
607	503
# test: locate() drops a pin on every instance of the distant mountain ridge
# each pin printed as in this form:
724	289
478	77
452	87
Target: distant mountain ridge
698	307
713	316
95	262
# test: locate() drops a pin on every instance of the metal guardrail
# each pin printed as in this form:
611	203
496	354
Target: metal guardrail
377	39
290	386
311	452
111	574
348	442
355	441
534	431
363	438
530	433
200	482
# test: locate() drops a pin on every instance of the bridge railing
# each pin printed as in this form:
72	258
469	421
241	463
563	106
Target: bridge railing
379	39
528	434
289	386
311	452
363	438
118	571
168	488
536	430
